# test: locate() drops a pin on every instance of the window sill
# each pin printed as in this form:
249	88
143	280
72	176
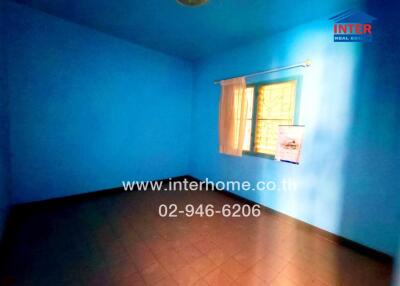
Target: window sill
260	155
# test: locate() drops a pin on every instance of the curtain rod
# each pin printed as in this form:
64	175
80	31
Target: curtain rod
304	64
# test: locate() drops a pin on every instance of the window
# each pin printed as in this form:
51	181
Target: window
250	100
269	105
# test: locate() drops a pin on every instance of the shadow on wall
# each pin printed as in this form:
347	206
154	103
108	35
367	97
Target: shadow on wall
371	197
371	167
347	179
396	280
4	131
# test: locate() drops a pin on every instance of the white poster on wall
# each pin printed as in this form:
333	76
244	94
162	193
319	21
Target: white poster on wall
290	141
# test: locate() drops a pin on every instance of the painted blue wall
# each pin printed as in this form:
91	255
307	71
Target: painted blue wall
89	110
4	138
371	197
347	180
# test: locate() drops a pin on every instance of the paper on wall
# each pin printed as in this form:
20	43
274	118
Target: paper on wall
290	140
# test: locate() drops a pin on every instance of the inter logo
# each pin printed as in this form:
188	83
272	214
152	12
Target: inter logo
352	26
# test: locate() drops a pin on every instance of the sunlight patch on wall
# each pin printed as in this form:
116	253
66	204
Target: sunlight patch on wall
325	110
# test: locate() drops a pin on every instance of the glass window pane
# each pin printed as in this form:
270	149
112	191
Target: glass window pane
250	100
276	103
247	137
249	116
267	135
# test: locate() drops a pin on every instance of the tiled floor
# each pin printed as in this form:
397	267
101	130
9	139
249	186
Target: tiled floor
119	239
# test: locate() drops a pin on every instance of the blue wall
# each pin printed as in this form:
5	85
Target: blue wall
89	110
346	182
371	197
4	136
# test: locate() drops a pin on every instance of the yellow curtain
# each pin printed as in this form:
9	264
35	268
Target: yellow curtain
232	116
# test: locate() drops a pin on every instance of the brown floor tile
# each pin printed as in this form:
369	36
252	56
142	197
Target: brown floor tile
203	265
205	245
162	248
168	281
218	278
95	278
181	243
317	282
186	276
268	269
190	253
134	279
250	279
233	268
248	257
218	256
153	273
231	248
173	262
283	280
123	268
200	282
136	248
145	260
298	275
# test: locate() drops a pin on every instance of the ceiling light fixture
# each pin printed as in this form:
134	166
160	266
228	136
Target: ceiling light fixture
192	3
